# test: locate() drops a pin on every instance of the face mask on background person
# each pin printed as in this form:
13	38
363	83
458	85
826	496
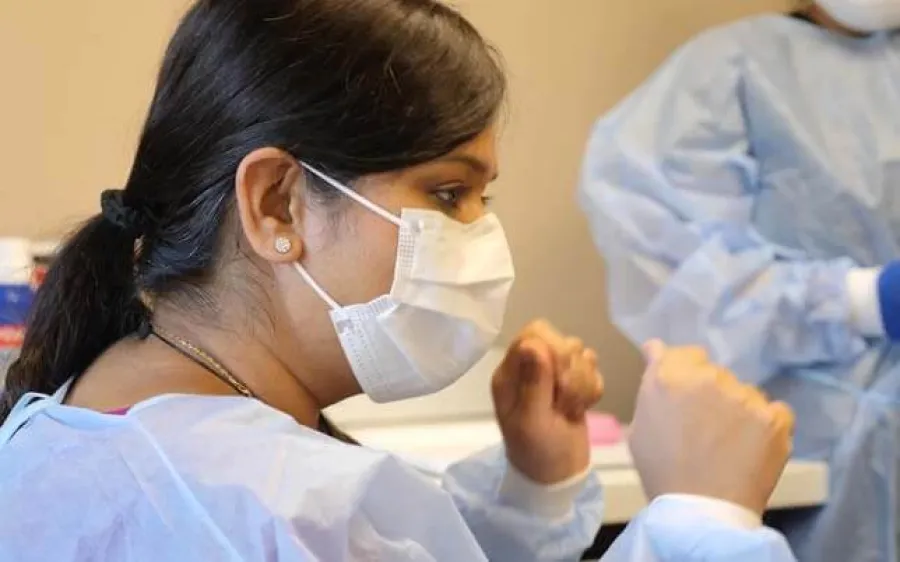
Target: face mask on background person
864	15
445	308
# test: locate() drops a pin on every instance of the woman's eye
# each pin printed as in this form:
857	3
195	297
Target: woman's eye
452	197
449	197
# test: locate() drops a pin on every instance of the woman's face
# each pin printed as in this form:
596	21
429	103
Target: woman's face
350	251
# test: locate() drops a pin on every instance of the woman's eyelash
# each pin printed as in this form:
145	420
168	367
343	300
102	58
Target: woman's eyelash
449	195
452	195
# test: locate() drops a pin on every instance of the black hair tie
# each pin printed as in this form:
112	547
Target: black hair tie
145	329
117	213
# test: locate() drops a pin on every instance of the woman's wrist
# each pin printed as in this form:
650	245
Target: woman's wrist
551	501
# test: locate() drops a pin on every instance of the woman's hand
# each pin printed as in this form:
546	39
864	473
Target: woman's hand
698	430
542	391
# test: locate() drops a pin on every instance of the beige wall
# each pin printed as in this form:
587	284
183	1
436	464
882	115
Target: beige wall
77	77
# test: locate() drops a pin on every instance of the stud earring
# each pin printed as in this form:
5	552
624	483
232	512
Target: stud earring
283	245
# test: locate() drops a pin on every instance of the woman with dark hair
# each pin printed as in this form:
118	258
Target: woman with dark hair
304	221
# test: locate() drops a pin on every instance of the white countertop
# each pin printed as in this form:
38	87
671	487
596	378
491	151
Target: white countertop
439	445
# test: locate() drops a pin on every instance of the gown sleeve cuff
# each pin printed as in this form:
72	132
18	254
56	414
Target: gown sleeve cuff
863	288
724	512
553	501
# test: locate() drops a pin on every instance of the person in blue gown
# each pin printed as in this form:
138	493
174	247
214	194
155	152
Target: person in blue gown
746	199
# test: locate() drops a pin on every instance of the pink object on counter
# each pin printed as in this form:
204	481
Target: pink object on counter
603	429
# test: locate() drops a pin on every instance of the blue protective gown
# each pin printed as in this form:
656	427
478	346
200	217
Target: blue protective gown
730	196
213	479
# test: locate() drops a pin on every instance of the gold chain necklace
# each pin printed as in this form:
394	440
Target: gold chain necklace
203	359
208	362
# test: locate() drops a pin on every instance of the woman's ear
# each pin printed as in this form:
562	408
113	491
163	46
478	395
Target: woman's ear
268	204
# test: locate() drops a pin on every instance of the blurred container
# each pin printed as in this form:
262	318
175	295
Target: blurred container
16	296
604	430
42	253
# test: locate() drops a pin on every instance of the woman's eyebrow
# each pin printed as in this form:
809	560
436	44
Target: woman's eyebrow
473	162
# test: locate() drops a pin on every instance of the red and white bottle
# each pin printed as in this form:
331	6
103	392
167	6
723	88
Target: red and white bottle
16	296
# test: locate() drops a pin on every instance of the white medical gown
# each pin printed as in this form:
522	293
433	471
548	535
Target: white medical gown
731	195
188	479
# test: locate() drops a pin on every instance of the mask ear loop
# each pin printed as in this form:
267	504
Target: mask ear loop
316	287
354	195
358	199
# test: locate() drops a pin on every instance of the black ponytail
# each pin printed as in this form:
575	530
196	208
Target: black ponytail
87	302
353	87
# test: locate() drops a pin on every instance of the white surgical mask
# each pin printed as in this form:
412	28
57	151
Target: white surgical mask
864	15
444	310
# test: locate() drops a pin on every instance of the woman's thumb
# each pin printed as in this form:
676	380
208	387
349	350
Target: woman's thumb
519	376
